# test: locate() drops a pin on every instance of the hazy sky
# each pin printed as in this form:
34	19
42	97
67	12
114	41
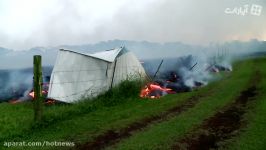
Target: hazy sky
29	23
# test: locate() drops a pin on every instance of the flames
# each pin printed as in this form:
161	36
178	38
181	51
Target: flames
31	94
44	92
154	90
14	101
183	79
50	102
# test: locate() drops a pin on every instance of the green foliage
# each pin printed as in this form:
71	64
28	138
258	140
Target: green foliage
221	93
253	136
125	91
121	106
17	120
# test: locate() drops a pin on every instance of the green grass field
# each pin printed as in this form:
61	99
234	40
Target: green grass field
83	122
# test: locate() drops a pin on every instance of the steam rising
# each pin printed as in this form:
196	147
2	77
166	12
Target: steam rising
213	38
178	57
75	22
16	84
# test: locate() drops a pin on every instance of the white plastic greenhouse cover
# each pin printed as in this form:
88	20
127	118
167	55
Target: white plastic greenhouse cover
77	75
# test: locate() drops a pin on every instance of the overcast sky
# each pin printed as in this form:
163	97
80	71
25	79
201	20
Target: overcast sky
29	23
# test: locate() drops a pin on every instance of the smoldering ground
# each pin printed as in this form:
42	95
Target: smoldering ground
16	84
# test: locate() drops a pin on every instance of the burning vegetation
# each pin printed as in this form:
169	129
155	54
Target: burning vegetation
167	76
155	90
179	75
29	95
17	85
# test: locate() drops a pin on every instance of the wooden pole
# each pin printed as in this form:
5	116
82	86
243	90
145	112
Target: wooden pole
113	74
193	66
38	99
157	69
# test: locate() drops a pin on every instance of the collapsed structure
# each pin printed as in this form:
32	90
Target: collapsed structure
181	74
77	75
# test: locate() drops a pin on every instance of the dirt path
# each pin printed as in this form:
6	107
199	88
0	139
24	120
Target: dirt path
223	125
112	137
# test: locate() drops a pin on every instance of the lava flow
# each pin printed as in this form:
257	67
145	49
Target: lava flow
154	90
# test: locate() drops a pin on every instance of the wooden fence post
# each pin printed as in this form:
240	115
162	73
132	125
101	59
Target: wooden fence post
38	99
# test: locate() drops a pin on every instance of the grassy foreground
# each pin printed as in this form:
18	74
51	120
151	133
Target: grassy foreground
82	122
253	135
164	135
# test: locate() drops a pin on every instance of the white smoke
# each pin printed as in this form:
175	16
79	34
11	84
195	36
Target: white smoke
17	84
14	83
